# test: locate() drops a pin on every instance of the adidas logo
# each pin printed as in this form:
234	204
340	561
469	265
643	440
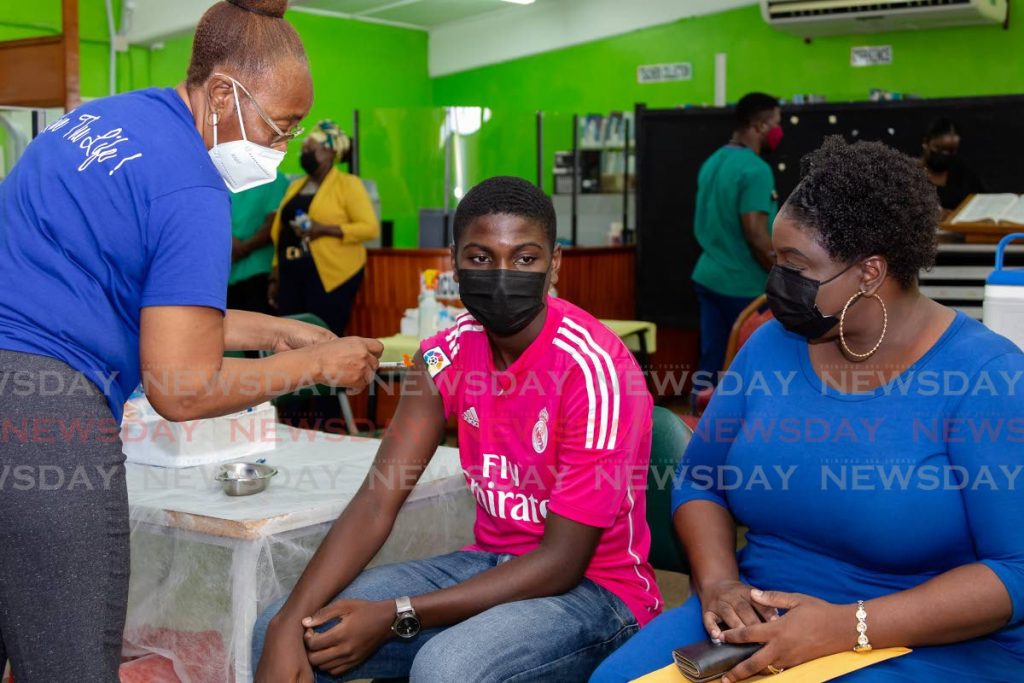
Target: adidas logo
471	417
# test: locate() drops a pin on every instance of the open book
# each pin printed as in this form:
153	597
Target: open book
992	208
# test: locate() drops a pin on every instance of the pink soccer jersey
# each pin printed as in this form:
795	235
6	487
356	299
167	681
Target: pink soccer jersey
566	428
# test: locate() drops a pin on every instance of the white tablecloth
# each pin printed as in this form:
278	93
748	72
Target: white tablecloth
204	564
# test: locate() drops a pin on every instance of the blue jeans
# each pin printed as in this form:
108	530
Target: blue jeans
718	313
561	638
652	649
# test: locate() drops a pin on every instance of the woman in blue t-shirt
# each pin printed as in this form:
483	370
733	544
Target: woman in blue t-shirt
872	440
115	239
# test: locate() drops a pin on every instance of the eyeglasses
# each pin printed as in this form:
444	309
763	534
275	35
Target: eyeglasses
281	136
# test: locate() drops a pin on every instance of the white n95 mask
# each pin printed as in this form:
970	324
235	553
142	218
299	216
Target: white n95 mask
241	163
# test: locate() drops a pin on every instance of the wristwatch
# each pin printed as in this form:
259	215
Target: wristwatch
407	623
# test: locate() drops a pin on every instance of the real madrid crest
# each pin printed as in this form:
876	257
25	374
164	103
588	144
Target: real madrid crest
540	432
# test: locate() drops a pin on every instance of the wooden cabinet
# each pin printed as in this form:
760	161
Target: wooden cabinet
43	72
601	280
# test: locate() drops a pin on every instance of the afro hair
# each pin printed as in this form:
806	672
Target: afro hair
867	199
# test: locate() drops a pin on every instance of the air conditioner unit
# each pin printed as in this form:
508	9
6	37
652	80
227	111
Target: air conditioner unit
812	18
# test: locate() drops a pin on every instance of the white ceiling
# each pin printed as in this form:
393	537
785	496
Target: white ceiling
549	25
463	33
425	14
149	21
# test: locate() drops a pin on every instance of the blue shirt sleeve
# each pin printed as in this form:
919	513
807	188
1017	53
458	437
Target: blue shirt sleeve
698	476
189	244
994	424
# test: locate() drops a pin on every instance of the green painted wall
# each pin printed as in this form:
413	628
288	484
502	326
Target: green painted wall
601	76
169	62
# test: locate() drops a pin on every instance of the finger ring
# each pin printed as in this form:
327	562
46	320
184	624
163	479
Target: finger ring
775	670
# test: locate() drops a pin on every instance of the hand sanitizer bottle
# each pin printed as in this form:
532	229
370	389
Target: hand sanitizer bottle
429	307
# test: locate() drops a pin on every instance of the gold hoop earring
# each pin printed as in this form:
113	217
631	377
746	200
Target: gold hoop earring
842	320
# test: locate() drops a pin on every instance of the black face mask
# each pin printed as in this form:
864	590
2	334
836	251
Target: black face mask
791	296
309	162
503	301
939	161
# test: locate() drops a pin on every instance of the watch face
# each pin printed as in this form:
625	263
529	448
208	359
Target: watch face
407	627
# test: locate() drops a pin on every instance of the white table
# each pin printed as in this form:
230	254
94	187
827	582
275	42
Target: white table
204	564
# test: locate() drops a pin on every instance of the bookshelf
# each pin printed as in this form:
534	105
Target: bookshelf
606	153
602	162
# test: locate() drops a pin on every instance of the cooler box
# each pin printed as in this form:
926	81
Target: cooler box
1003	310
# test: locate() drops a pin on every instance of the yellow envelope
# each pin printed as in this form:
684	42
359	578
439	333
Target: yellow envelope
815	671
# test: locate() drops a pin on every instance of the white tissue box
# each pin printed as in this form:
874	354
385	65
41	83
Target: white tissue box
151	440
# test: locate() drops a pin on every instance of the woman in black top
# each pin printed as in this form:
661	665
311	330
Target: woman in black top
953	180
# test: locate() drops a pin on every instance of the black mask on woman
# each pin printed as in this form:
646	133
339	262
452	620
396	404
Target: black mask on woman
503	301
792	297
939	161
309	162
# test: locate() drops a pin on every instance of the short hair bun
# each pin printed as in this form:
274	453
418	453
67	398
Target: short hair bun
270	8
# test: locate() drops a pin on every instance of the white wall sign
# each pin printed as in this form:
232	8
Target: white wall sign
664	73
871	55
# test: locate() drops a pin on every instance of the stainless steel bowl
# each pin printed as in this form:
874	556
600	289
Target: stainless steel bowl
245	478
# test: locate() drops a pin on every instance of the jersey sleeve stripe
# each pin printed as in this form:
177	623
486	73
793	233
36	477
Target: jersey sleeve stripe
629	546
602	381
457	331
616	393
592	401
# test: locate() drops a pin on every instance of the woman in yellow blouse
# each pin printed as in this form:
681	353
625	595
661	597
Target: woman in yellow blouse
319	232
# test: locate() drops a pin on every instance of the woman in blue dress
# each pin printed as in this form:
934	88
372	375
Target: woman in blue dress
871	440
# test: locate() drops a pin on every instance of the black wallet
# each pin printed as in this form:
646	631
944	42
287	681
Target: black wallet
707	660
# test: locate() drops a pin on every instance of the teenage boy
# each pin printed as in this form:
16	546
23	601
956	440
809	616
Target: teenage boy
554	439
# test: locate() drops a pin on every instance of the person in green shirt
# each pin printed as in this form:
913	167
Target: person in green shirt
252	250
736	204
